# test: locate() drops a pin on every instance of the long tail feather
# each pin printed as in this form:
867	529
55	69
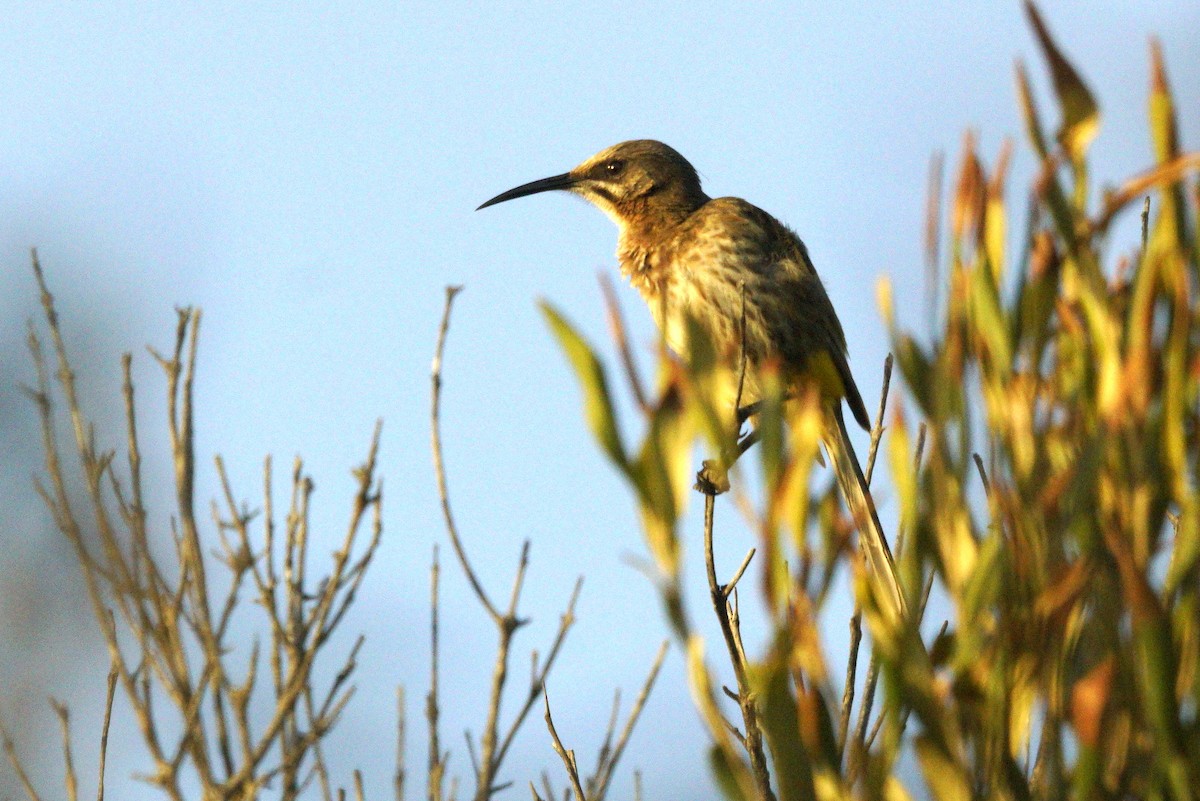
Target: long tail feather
874	545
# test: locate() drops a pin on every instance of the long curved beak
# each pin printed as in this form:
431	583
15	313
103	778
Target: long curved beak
564	181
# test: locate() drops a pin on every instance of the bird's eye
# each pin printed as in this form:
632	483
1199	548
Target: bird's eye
614	167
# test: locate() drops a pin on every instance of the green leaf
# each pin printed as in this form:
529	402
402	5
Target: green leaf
989	321
979	594
1037	297
597	402
719	764
1156	671
793	762
662	474
1081	115
917	371
731	772
1187	546
1165	132
770	426
1033	121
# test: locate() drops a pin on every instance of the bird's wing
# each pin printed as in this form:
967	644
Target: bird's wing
853	398
785	293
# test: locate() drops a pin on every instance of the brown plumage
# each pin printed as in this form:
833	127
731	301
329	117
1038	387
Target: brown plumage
689	255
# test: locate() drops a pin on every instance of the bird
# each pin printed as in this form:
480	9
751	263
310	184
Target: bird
748	281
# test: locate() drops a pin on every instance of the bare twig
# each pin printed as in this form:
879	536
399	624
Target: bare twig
568	757
57	501
877	429
507	625
616	326
108	704
437	761
856	618
753	738
987	485
608	763
535	688
439	467
70	779
610	731
10	751
471	752
860	744
1145	223
398	777
851	678
737	574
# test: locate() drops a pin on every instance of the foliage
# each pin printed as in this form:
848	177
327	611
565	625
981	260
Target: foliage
1045	466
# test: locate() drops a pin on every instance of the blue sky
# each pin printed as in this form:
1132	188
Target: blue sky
307	174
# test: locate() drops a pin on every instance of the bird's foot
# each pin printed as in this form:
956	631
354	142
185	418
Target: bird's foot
713	478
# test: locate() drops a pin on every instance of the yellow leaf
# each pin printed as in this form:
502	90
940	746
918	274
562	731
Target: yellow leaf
944	777
883	297
995	227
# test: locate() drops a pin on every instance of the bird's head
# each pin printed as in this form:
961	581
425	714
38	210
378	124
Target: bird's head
631	181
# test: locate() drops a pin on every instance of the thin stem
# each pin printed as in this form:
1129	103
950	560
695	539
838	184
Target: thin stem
507	626
535	689
398	777
877	429
851	677
439	466
64	722
737	574
987	485
753	737
616	325
437	764
108	704
10	751
604	776
568	757
856	618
